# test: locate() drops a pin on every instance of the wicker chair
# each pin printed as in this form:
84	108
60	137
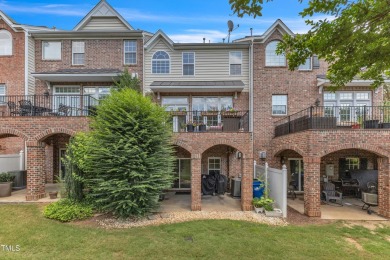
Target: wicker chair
330	193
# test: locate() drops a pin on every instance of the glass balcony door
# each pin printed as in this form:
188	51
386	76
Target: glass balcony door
182	174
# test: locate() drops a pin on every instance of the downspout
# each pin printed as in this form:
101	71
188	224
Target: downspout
251	103
143	64
26	68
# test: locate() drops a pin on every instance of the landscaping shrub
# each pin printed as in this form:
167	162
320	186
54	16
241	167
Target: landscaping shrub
127	159
66	210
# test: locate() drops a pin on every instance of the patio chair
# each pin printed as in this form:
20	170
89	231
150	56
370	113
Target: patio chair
13	108
26	107
63	110
330	193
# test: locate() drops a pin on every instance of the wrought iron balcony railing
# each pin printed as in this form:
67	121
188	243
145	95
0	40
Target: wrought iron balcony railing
210	121
335	117
47	105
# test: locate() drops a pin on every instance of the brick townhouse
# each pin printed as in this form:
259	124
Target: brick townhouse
231	104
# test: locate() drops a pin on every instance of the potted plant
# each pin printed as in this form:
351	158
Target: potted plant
179	112
261	204
230	112
6	180
210	112
191	127
182	127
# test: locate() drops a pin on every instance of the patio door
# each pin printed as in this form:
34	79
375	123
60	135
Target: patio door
296	174
61	163
182	174
68	96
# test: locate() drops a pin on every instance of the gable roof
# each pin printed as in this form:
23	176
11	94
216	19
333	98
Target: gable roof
159	34
277	25
102	10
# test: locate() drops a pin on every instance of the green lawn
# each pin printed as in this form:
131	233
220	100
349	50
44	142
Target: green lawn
40	238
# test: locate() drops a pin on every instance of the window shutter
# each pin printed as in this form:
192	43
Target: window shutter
316	62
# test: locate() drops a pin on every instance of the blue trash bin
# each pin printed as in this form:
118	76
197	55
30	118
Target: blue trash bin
258	190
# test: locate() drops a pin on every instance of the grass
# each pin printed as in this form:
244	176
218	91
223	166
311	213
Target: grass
41	238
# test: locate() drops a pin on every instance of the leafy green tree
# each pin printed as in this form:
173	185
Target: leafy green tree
126	80
354	40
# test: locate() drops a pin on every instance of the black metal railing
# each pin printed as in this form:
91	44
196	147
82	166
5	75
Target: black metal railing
47	105
210	121
334	117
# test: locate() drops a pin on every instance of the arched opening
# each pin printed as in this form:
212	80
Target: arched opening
221	171
55	150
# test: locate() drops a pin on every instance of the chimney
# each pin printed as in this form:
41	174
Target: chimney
204	40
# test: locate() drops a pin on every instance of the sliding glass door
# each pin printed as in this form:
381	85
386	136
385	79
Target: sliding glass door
182	174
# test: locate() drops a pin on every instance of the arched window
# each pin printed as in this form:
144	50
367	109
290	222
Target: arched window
5	43
271	58
160	63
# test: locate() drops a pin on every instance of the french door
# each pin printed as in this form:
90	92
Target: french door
182	174
296	174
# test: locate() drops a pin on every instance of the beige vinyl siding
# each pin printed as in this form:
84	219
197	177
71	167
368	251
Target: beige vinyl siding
104	23
210	64
31	65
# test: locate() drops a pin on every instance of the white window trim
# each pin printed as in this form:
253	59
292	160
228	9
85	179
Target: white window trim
12	42
265	55
349	164
279	105
77	53
208	164
182	64
136	51
230	63
43	53
311	65
354	101
5	93
186	97
170	64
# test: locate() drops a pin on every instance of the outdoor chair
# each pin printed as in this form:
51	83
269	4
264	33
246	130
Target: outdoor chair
63	110
26	107
330	193
13	108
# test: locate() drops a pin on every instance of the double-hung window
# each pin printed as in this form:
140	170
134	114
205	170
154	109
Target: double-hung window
235	62
188	63
214	165
279	104
2	93
130	48
78	53
307	65
5	43
51	50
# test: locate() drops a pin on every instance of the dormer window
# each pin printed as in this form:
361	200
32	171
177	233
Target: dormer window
5	43
160	63
271	58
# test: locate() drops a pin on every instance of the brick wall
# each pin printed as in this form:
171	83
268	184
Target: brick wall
12	67
99	54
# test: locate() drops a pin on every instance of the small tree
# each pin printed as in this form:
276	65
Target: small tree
126	80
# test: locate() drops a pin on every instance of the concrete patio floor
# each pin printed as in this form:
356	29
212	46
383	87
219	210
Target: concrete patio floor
19	196
351	210
182	202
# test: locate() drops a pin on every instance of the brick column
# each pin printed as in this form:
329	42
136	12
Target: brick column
312	196
49	151
384	187
247	184
35	172
196	182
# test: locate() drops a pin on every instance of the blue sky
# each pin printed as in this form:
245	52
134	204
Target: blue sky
182	20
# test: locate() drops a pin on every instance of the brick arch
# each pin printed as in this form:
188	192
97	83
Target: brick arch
224	142
370	148
52	131
294	148
10	131
182	144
